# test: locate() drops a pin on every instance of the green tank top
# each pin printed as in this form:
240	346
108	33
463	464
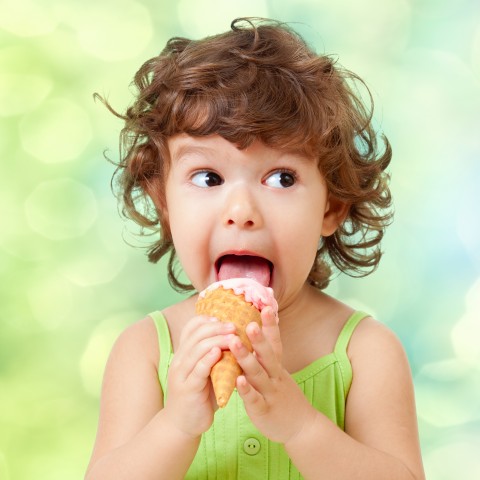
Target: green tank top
233	448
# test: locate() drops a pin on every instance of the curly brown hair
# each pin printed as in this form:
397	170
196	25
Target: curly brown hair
258	81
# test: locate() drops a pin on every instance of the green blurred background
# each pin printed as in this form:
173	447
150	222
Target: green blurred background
70	282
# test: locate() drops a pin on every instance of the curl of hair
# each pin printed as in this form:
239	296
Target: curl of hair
258	81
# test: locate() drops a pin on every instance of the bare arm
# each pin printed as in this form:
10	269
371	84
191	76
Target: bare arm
134	439
380	440
138	437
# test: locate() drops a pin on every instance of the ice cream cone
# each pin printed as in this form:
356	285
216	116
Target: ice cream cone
227	306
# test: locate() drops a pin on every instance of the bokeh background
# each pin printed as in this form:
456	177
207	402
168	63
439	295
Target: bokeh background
70	281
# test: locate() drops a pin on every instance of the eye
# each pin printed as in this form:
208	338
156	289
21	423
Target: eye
206	179
281	179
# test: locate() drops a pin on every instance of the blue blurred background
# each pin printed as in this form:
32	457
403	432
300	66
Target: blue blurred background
70	282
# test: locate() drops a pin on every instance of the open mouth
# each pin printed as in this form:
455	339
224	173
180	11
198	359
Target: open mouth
244	266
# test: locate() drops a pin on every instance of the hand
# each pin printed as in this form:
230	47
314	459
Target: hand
273	401
190	399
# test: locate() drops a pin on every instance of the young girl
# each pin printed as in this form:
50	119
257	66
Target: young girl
259	161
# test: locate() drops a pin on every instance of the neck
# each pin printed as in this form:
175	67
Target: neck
307	303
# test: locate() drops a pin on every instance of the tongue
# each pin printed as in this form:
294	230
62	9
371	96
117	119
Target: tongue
243	266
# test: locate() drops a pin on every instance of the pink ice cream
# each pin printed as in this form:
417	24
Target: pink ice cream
255	293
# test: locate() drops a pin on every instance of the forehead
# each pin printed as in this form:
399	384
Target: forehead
183	147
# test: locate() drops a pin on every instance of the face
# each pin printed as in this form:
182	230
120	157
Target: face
258	202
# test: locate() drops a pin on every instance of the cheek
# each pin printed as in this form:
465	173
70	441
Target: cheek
304	226
298	244
183	230
177	219
190	235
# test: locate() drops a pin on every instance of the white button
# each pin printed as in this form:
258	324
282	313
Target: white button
251	446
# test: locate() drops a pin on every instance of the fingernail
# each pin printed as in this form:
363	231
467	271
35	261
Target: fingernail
255	329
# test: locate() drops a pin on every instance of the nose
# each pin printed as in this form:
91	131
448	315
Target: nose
241	209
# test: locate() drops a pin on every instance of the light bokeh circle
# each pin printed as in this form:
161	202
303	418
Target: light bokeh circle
476	53
61	209
26	18
199	19
122	28
57	131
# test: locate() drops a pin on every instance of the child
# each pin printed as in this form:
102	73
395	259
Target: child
259	161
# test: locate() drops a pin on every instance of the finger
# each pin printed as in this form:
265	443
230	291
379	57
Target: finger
264	351
199	335
272	314
271	331
193	325
186	359
200	374
253	400
202	326
252	369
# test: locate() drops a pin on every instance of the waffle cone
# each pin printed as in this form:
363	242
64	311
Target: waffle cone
227	307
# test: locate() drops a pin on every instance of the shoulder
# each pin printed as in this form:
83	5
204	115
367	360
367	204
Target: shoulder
131	394
141	334
372	340
381	402
137	344
381	373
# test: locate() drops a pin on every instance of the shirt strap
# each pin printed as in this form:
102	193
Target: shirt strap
341	348
165	346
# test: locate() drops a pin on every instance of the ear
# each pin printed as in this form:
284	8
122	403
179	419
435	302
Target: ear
335	213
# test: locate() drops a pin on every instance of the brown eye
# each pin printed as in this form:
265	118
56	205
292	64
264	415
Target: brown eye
281	179
207	179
